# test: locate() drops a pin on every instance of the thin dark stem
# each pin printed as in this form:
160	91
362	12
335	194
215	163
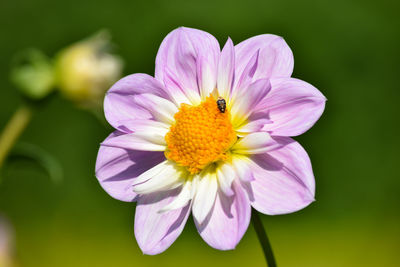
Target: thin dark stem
263	238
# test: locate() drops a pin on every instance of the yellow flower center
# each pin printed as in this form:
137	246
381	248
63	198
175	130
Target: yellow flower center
201	135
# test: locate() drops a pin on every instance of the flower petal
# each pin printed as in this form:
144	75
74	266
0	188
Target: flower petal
160	108
229	220
254	143
226	69
284	180
155	231
178	92
150	173
205	196
207	76
165	176
246	76
252	126
153	141
241	165
192	55
293	106
243	105
145	126
275	57
226	175
119	105
116	169
182	199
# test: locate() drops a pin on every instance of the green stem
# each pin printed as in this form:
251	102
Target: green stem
263	239
13	130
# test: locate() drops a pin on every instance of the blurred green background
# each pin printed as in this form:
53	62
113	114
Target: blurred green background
347	49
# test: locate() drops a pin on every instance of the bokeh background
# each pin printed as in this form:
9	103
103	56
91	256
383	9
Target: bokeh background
347	49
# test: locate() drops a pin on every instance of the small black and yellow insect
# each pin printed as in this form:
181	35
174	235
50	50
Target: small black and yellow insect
221	103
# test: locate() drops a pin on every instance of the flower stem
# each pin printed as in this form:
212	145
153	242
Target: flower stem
13	130
263	239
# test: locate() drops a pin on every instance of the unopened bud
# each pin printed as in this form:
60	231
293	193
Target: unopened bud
86	70
33	74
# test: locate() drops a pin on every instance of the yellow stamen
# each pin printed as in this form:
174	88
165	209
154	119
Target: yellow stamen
201	135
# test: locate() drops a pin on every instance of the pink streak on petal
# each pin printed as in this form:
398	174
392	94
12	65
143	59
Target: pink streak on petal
228	221
275	58
284	180
155	231
117	168
119	105
181	52
293	106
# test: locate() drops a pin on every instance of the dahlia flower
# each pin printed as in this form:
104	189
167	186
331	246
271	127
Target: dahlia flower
209	135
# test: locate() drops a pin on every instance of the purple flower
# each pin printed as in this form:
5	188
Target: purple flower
176	151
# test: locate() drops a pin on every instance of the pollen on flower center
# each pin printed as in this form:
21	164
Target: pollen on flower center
201	135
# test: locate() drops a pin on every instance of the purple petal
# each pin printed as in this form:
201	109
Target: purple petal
254	143
254	125
245	78
119	105
152	141
243	105
284	180
177	92
275	57
228	221
160	108
293	106
145	126
242	168
155	231
226	69
185	52
204	198
117	168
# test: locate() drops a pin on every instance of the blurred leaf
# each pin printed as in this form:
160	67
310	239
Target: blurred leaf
33	74
45	160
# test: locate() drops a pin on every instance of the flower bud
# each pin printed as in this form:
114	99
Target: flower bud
33	74
85	70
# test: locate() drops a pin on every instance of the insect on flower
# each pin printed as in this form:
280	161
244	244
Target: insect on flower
221	103
175	151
